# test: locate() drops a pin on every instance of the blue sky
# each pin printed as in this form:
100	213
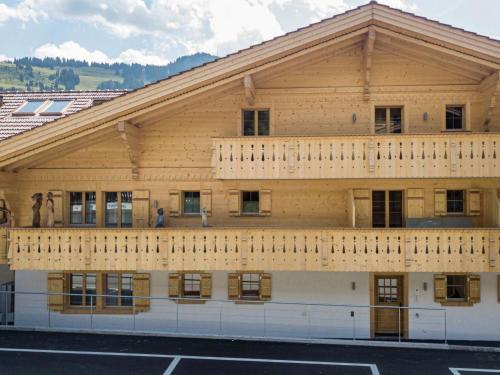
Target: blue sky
158	31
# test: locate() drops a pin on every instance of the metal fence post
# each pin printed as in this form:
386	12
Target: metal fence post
91	313
6	312
133	313
308	312
177	316
265	330
48	308
399	323
445	328
220	318
353	325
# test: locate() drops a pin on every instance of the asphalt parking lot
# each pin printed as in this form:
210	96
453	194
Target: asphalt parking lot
71	353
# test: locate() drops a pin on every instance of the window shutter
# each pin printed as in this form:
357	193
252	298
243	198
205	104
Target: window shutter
174	202
233	286
206	285
473	202
440	288
206	201
234	202
440	202
56	284
362	210
141	289
474	288
174	285
265	286
265	202
140	208
415	203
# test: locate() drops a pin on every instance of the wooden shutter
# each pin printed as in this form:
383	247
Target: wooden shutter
174	202
473	202
440	288
140	208
362	208
206	285
233	286
56	284
206	201
141	289
174	285
265	202
474	288
234	202
265	286
415	203
440	202
57	197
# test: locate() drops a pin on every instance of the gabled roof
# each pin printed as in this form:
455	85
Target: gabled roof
10	102
229	72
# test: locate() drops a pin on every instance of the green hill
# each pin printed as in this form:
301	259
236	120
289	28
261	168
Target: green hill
35	74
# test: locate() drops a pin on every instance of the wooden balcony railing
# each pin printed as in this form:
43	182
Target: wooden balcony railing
372	156
375	250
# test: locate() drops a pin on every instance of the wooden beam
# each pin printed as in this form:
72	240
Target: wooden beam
490	88
367	61
129	135
249	89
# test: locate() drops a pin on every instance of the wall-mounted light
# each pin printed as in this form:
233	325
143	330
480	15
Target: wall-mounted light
353	285
426	116
424	287
354	118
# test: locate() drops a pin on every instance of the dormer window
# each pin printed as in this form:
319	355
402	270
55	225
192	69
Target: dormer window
29	108
56	108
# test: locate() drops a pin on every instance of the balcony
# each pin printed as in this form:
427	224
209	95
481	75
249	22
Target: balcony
441	155
269	249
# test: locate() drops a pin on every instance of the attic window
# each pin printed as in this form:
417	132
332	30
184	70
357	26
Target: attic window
56	107
29	108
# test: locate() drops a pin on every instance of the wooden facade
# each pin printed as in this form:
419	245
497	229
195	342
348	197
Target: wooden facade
314	172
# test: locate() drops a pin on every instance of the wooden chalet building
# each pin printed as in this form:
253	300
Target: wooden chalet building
355	161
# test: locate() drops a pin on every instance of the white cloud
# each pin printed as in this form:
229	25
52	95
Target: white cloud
405	5
5	58
23	12
72	50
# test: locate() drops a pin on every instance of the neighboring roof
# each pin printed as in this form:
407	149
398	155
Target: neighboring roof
230	70
11	101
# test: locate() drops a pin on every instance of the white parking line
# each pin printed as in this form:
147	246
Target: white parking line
176	358
458	371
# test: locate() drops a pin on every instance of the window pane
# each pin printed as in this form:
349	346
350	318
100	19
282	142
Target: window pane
248	123
90	208
456	287
250	202
192	284
395	120
111	210
90	289
112	289
57	106
127	289
454	118
31	106
380	120
75	208
250	285
192	202
76	289
395	209
455	201
126	209
263	122
378	209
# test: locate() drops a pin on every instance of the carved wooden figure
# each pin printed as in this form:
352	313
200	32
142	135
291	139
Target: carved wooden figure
38	199
50	210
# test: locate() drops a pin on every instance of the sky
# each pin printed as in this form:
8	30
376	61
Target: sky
158	31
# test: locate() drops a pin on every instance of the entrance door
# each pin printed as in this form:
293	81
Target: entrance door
387	209
389	291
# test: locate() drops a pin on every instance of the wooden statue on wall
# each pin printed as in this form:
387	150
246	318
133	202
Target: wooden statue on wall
160	219
38	199
50	210
204	217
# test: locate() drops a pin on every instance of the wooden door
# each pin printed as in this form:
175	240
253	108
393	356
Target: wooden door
389	292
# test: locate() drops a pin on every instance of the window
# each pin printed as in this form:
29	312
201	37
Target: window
118	209
250	286
388	120
388	289
29	108
56	107
456	287
82	208
83	287
250	202
387	209
454	117
256	122
191	203
191	285
455	201
119	289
